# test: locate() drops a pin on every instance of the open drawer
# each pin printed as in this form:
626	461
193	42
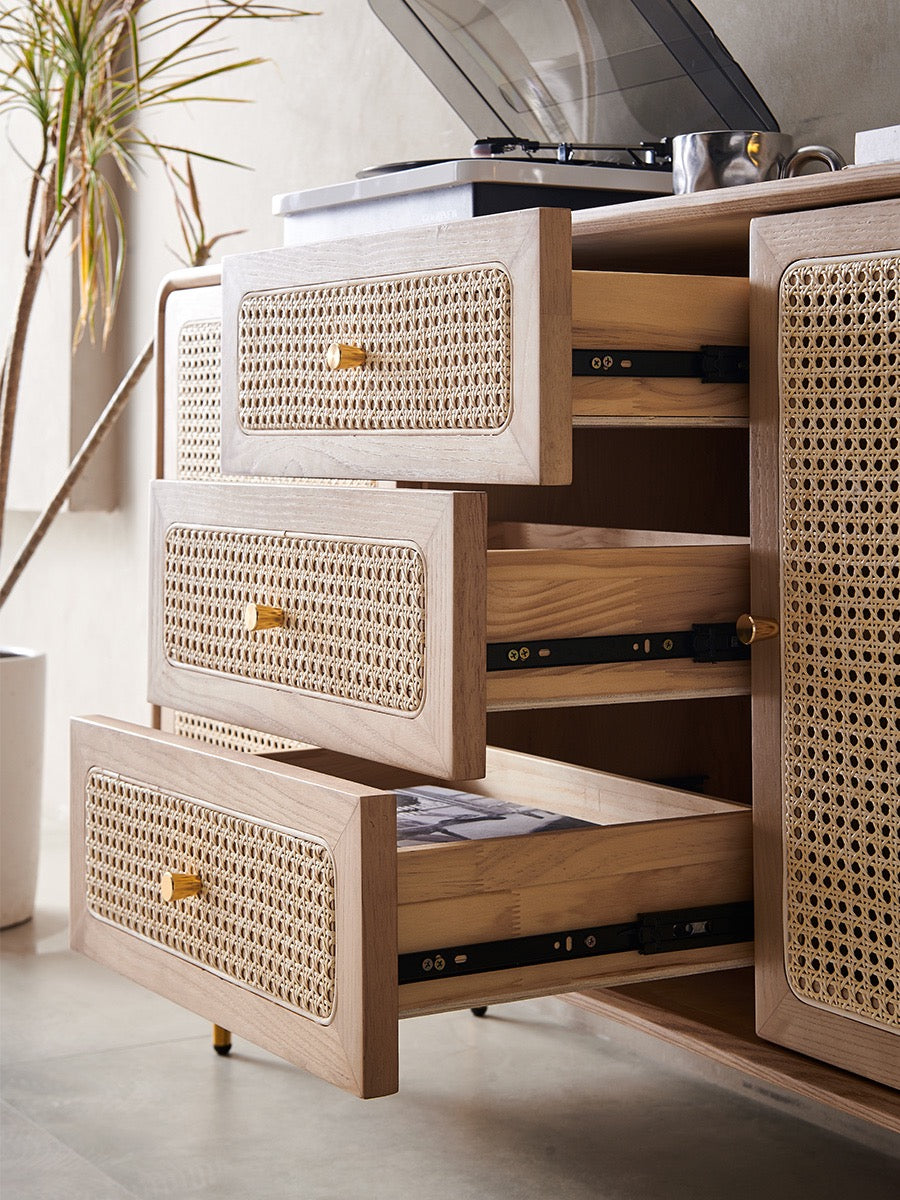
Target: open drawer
438	353
447	353
379	624
292	914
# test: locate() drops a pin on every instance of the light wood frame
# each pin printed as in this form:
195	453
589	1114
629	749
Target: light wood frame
183	296
357	1050
783	1017
534	247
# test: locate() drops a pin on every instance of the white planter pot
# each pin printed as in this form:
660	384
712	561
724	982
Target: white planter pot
21	763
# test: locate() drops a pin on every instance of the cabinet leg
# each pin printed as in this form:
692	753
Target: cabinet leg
221	1040
480	1011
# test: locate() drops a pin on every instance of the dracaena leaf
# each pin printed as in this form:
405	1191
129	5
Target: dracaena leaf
65	114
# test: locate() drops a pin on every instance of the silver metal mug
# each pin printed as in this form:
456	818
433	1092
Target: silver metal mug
726	158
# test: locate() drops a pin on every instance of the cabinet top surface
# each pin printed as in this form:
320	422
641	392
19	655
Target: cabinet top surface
663	233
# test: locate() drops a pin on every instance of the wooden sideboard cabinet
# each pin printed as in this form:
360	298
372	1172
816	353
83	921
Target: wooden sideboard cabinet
543	538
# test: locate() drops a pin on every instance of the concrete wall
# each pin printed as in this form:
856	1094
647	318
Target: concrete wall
339	95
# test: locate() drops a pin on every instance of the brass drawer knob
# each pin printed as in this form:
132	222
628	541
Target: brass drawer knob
176	886
755	629
262	616
340	357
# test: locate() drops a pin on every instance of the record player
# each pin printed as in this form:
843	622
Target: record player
572	103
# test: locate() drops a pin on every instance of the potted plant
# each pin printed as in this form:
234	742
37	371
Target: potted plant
86	73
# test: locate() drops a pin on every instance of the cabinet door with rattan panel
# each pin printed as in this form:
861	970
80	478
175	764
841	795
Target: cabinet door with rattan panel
277	897
189	374
825	442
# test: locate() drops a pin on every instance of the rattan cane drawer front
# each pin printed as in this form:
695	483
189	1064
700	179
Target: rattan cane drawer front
287	882
266	915
377	641
374	590
457	379
465	331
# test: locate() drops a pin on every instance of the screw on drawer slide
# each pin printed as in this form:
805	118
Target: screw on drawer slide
651	933
707	643
709	364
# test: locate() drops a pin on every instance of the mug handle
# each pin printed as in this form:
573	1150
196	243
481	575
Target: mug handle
808	154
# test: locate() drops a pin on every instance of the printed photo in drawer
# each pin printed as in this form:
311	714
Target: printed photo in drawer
431	814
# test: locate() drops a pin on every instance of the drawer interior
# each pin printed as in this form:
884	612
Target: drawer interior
702	744
675	479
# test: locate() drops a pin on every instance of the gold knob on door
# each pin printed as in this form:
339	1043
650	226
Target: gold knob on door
339	357
176	886
263	616
755	629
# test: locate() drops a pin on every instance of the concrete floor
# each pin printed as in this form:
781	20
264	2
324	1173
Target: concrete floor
110	1092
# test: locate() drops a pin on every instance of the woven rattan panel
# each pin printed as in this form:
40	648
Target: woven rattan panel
229	737
199	407
438	346
840	552
266	915
354	613
199	400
